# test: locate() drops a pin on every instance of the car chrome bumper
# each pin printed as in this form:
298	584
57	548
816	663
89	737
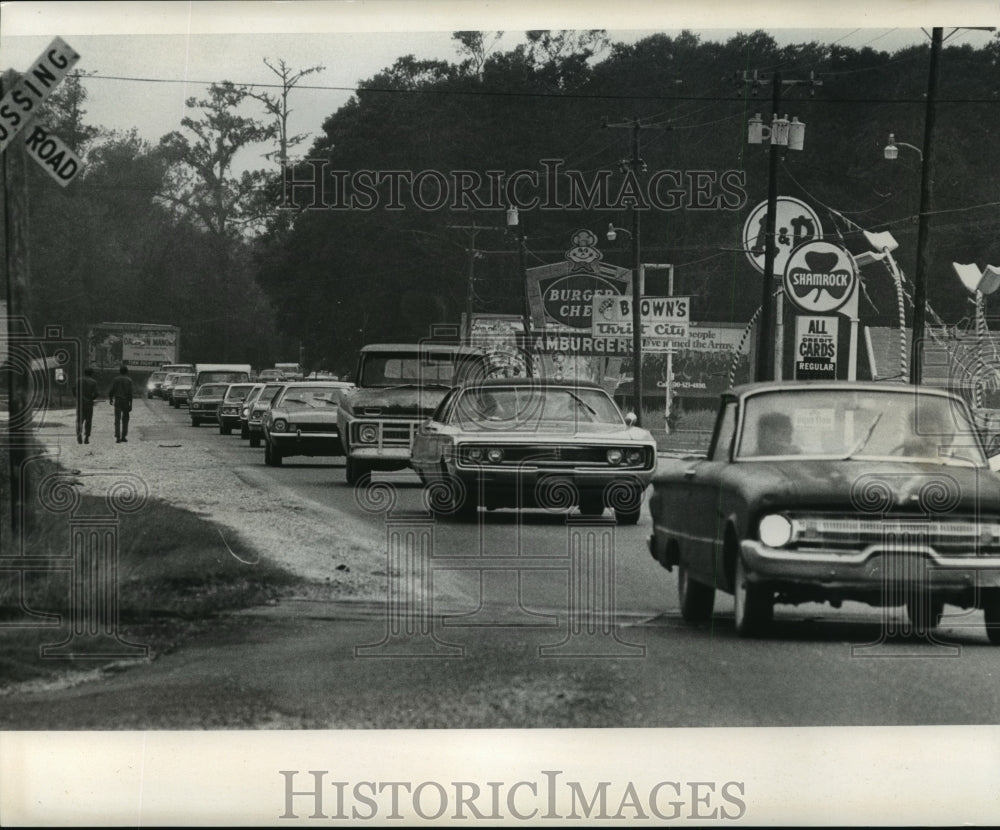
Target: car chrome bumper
369	453
868	567
586	479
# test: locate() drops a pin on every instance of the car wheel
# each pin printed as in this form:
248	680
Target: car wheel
355	470
244	432
255	441
924	611
696	599
753	606
272	455
195	422
449	498
628	517
173	403
225	430
991	612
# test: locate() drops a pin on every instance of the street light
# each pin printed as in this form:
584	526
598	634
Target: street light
633	234
926	188
613	232
891	151
513	224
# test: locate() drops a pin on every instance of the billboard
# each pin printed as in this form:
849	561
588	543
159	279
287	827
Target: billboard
137	345
703	364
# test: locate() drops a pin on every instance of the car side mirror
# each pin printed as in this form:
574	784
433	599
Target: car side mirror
630	419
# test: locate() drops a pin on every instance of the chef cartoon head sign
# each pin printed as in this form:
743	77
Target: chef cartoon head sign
820	277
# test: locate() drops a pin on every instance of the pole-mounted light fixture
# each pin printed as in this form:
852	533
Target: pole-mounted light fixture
613	232
891	151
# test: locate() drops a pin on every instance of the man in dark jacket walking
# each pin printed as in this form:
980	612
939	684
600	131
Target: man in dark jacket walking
120	396
86	394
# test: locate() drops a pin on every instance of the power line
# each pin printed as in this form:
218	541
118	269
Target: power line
590	96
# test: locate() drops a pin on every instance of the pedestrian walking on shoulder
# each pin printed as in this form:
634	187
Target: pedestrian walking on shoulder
86	393
120	396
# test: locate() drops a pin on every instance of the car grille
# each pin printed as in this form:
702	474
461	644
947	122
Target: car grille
953	536
559	455
327	428
391	434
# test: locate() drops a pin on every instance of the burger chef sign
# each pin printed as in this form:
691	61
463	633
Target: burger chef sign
820	278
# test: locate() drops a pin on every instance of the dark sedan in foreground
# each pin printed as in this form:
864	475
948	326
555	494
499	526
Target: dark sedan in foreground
875	493
523	443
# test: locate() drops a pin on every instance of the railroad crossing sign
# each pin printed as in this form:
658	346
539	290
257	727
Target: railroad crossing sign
19	105
794	223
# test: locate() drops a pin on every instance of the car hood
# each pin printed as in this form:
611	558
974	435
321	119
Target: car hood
307	416
867	485
398	401
550	432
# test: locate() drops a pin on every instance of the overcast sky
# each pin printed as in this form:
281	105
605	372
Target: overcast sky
155	55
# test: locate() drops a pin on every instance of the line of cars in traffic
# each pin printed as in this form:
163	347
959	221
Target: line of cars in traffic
808	491
474	441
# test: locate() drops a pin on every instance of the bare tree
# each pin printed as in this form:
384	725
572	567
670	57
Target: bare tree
277	106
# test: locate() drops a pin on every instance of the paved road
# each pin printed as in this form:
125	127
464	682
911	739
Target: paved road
512	621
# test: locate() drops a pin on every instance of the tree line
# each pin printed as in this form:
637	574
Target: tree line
249	267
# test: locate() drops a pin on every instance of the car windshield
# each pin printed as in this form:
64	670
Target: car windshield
859	424
267	394
212	390
183	380
157	376
310	397
226	377
238	393
519	406
409	368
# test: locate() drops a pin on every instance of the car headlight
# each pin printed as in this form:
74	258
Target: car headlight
280	425
495	456
633	456
474	454
368	434
615	456
775	530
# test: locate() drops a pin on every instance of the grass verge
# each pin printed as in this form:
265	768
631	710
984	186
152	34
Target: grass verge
175	571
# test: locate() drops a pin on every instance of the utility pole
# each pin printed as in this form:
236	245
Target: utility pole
635	165
765	364
926	186
14	247
474	230
780	137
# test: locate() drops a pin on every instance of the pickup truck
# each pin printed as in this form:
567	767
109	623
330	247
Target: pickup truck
221	373
397	386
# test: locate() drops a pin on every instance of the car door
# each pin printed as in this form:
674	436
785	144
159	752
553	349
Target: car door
703	514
